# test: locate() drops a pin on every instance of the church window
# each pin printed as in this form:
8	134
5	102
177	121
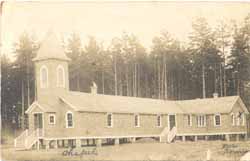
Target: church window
60	76
44	77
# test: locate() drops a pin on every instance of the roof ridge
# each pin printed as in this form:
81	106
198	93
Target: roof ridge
119	96
146	98
210	98
83	101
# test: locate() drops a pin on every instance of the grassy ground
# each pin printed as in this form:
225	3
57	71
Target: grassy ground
220	150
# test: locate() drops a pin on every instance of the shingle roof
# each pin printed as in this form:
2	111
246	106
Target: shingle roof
122	104
51	49
119	104
208	105
45	107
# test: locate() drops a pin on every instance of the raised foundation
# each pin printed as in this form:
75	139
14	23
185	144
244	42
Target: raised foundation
46	143
56	144
183	138
117	141
237	137
78	143
133	140
98	142
38	144
195	138
245	137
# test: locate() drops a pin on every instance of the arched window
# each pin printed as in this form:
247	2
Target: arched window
217	120
69	120
44	77
60	76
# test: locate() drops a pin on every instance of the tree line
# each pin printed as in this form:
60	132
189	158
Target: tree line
214	60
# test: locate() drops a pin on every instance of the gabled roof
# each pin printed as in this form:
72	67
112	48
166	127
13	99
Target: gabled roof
210	105
51	49
41	105
121	104
87	102
118	104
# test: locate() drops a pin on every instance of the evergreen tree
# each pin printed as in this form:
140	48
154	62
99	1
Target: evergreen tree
25	50
204	55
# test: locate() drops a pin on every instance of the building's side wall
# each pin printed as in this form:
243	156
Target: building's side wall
57	129
226	124
95	124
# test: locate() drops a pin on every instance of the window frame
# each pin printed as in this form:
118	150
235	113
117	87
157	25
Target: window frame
138	120
66	118
238	119
243	119
159	124
199	121
42	84
60	67
215	119
233	119
54	116
111	120
189	119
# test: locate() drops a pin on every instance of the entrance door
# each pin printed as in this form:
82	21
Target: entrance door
171	119
38	121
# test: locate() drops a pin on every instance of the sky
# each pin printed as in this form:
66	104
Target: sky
106	20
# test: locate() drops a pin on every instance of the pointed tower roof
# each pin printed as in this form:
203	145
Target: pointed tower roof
51	49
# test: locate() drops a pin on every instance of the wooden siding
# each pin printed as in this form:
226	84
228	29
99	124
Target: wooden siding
87	124
50	94
95	124
225	127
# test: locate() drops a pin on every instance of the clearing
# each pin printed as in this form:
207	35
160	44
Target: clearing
219	150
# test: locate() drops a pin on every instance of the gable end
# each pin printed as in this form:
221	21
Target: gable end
242	105
33	106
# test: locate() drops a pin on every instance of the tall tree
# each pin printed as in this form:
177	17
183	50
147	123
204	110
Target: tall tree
240	59
223	36
6	83
25	50
172	65
73	48
204	51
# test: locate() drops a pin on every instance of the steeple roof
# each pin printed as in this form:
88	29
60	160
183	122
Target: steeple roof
51	49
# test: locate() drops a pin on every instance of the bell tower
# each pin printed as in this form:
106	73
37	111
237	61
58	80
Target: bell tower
51	69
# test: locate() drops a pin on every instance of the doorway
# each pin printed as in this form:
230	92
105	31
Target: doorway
38	121
171	121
